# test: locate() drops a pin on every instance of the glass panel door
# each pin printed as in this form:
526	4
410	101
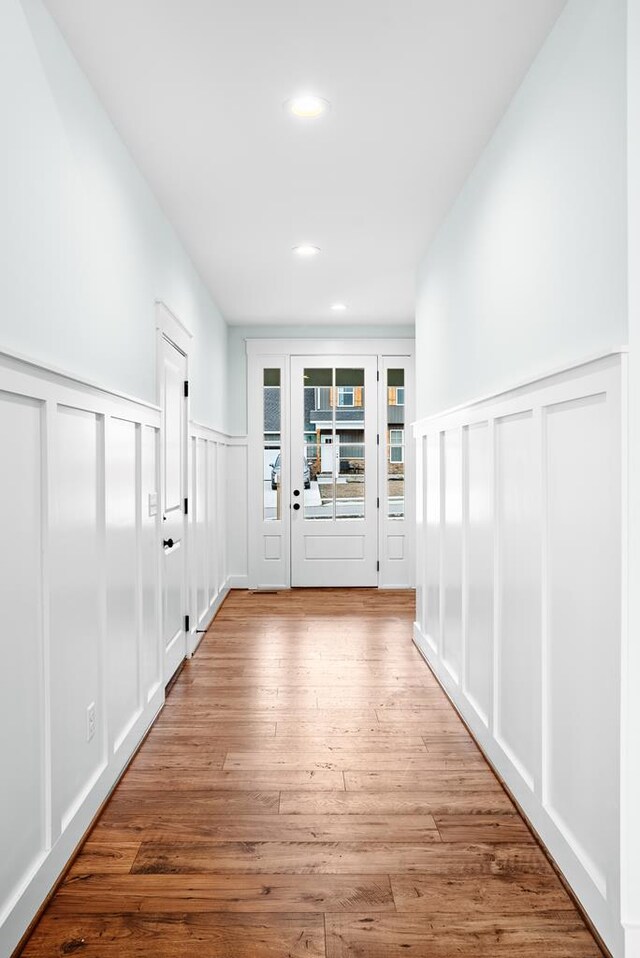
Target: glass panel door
333	471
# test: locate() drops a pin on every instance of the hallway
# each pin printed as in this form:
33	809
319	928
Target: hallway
309	790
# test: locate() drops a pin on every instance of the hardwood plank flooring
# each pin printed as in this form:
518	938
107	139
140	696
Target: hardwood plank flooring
399	802
499	936
281	828
170	894
308	790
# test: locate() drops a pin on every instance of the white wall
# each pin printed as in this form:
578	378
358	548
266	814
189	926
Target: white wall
86	252
528	272
85	248
237	357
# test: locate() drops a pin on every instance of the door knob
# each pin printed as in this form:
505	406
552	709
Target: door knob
296	505
167	543
296	492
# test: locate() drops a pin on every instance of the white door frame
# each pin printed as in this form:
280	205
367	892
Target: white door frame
269	540
396	536
169	327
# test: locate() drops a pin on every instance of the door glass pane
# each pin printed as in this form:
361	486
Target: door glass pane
395	441
317	467
349	433
272	449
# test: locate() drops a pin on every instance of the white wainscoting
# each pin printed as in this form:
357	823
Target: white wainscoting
80	605
237	512
521	606
217	518
79	616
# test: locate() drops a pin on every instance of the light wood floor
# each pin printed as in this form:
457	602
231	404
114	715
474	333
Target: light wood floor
309	791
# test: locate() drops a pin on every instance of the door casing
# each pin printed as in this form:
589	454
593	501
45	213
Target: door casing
170	330
269	543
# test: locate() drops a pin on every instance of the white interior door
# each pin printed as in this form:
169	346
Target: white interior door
173	377
334	471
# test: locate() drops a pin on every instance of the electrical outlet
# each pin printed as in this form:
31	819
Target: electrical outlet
91	721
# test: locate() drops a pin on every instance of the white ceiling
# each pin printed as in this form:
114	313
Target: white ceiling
196	89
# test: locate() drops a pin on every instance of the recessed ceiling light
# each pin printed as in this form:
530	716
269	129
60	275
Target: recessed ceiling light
306	250
338	307
307	107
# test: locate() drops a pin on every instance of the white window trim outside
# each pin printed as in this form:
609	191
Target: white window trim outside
341	395
396	446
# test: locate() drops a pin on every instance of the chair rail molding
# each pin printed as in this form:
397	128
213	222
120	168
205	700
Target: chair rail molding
521	603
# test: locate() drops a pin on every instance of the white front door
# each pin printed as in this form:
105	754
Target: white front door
334	478
173	377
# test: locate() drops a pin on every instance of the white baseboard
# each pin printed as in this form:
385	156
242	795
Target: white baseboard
632	941
205	620
238	582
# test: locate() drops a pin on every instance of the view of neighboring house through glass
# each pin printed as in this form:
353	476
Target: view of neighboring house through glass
333	467
349	425
272	453
334	443
395	443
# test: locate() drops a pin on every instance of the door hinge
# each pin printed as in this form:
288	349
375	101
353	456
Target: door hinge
378	439
186	624
378	503
186	388
186	507
378	566
378	375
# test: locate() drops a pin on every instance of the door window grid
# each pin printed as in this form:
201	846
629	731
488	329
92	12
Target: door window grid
334	461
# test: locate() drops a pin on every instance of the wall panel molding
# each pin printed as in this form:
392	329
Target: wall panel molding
75	512
80	604
521	568
216	474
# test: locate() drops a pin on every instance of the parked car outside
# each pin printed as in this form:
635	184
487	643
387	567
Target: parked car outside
275	473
